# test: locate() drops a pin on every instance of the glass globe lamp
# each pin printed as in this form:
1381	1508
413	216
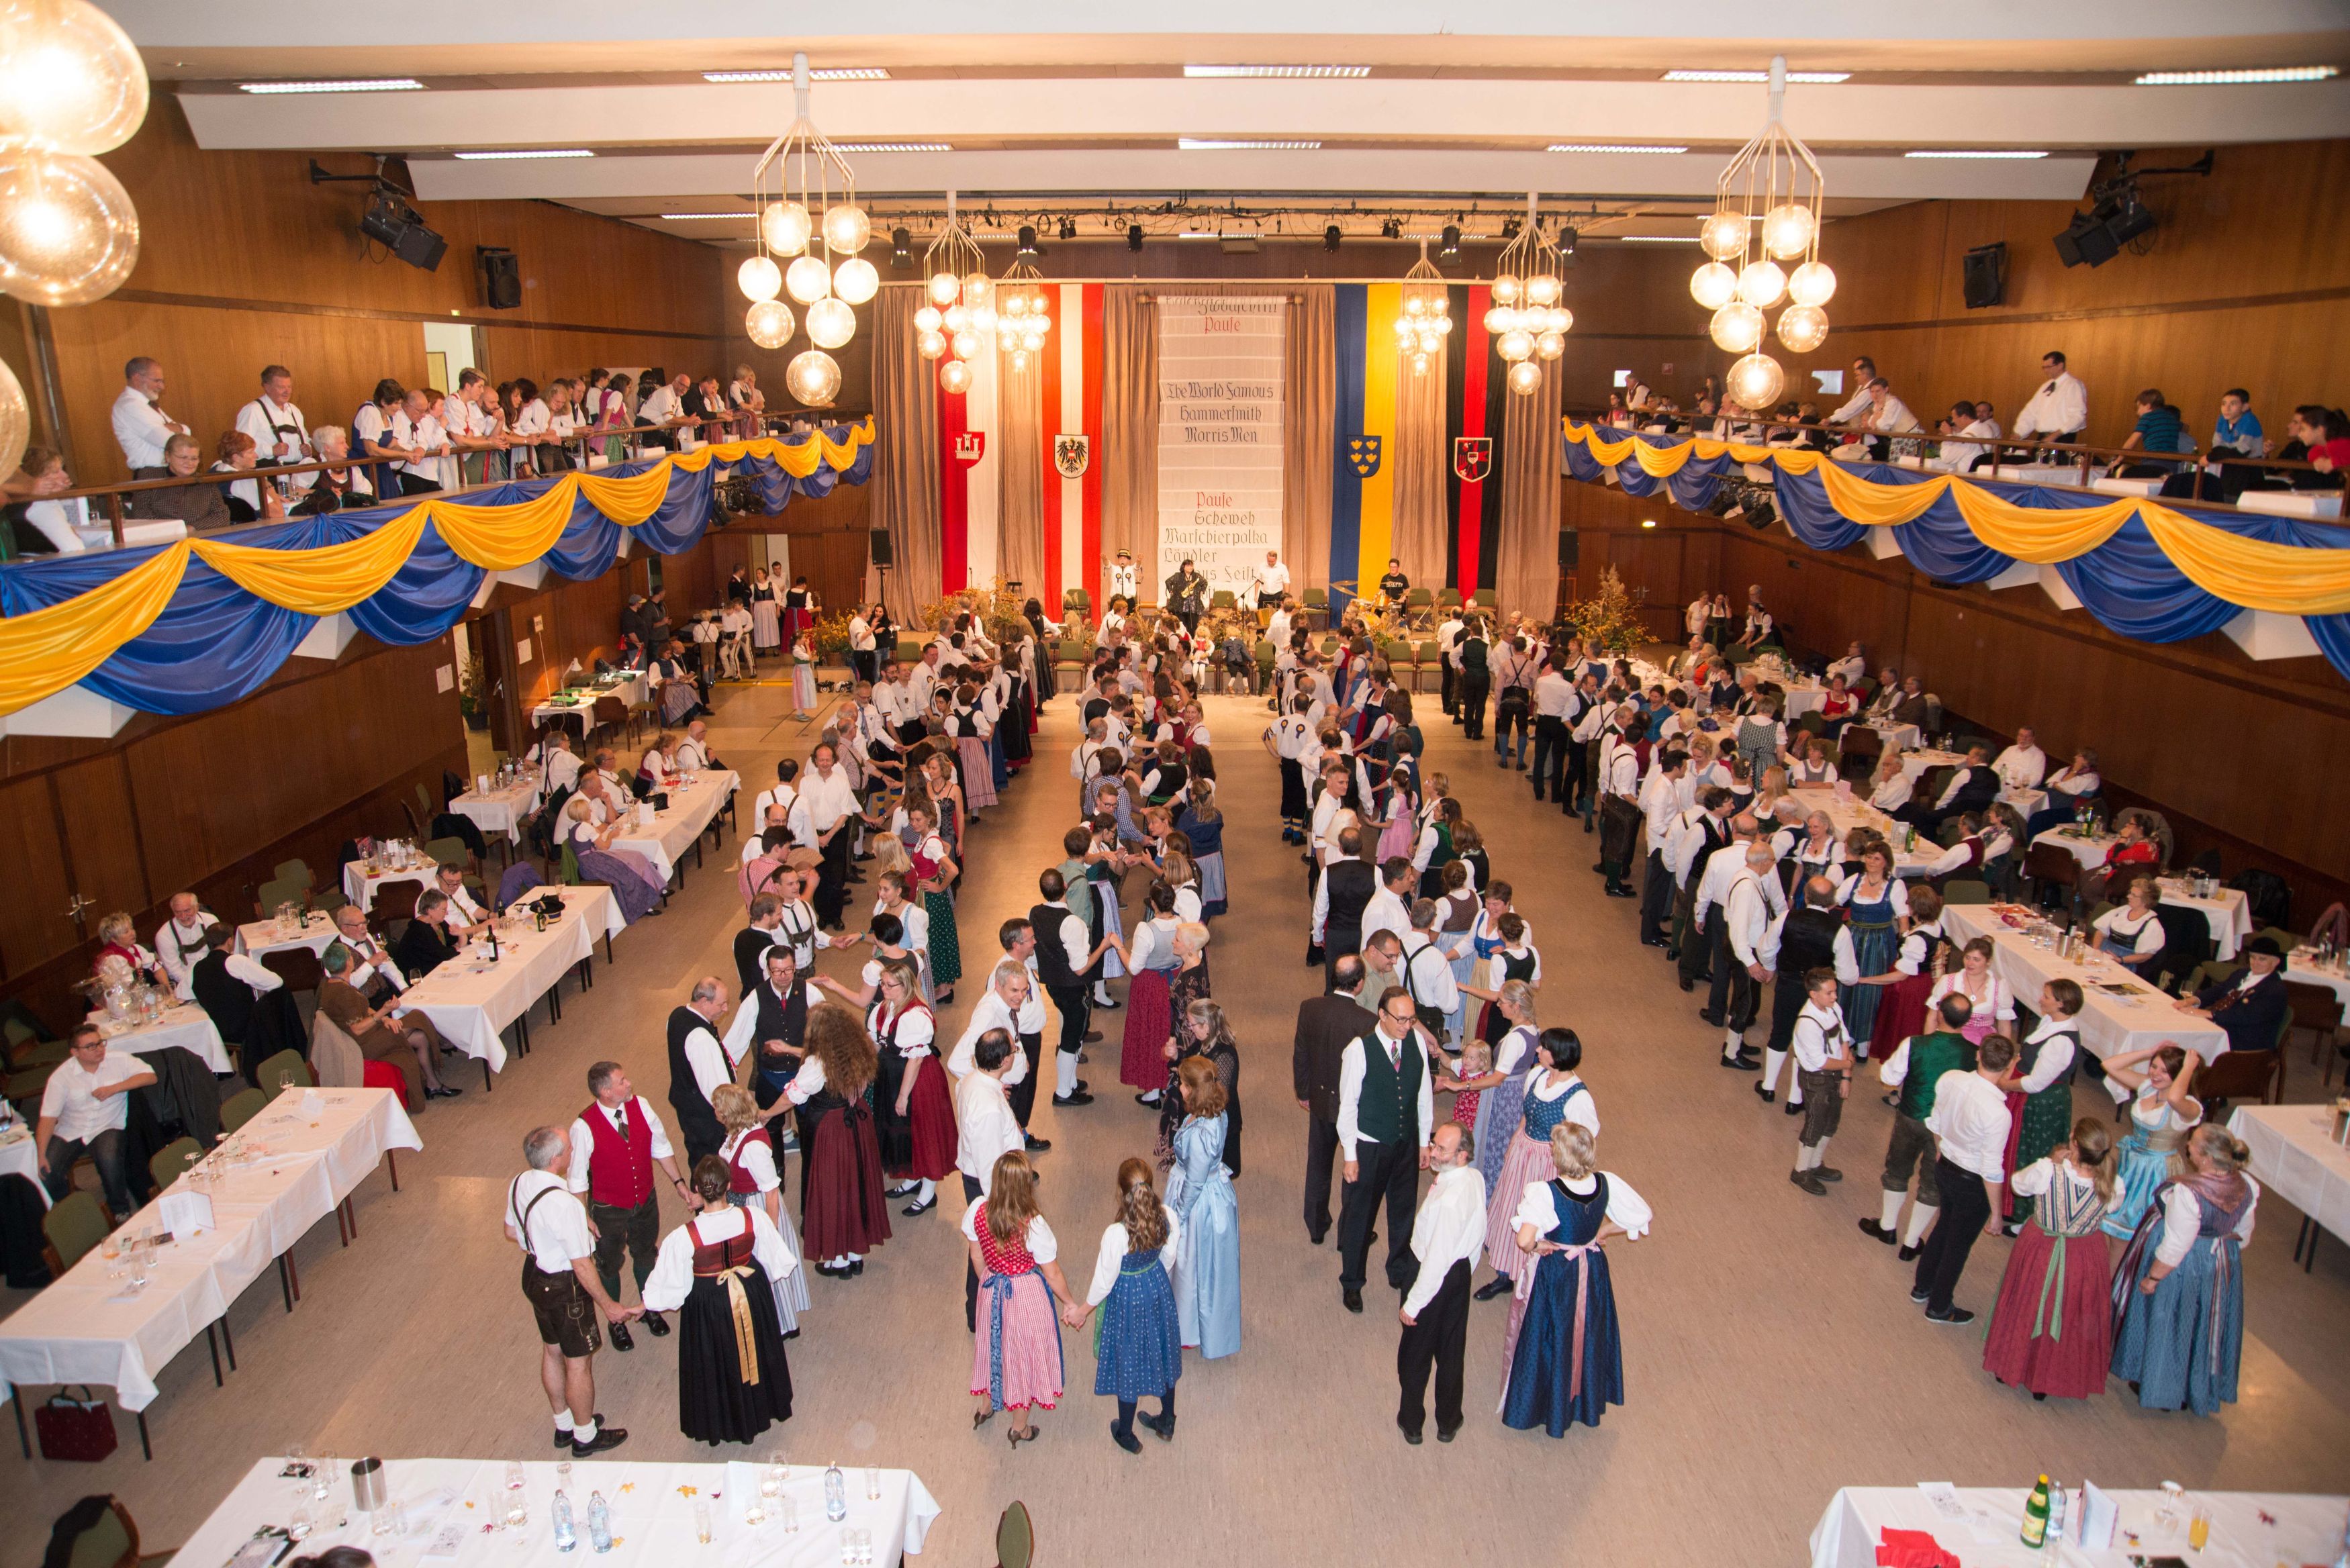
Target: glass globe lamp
1542	289
784	226
68	233
1803	327
931	343
847	228
1787	230
942	287
1713	286
769	324
1736	328
830	323
71	80
856	281
808	279
955	377
1755	381
1761	284
813	378
1723	234
1813	283
1524	378
759	278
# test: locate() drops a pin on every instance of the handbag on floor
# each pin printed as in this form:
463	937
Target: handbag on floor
71	1428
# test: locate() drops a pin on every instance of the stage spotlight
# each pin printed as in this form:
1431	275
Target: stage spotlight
1392	229
1068	228
1134	237
1028	241
1330	238
1566	238
901	249
1448	243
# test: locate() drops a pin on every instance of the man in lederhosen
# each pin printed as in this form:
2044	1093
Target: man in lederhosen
558	1278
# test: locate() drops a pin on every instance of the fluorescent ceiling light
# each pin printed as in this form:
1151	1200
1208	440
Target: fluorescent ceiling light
1287	71
1610	147
819	74
496	155
1653	239
892	147
1209	144
702	217
2231	78
1817	77
1979	153
378	84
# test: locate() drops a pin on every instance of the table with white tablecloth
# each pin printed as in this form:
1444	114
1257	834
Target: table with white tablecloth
472	999
186	1026
258	939
500	810
632	690
281	1173
1847	811
362	878
664	841
463	1505
1981	1526
2294	1157
2228	911
2089	850
2110	1023
1898	737
2301	967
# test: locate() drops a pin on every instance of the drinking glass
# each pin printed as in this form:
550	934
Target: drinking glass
872	1483
513	1475
771	1481
789	1512
322	1479
297	1524
2199	1527
701	1526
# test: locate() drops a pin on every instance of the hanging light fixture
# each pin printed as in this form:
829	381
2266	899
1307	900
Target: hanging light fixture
1766	212
1020	316
1527	319
958	289
810	230
1427	315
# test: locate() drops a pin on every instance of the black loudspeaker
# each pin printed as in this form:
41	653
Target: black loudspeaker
883	555
392	222
501	274
1570	548
1983	273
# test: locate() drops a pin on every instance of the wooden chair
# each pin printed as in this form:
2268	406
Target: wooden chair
2241	1074
609	714
2049	866
2317	1009
111	1540
1015	1538
298	967
172	1161
1222	599
74	1225
285	1070
393	901
425	810
242	1107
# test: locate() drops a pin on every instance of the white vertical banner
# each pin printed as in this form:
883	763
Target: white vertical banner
986	506
1220	363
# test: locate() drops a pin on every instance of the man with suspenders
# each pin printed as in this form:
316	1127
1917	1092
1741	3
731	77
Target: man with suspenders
558	1278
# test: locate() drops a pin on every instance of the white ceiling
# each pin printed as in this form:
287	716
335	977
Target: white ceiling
1055	102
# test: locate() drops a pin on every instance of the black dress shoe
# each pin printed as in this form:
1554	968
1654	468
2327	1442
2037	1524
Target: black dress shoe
1036	1145
1794	1108
856	1268
563	1436
1352	1297
1908	1255
1446	1434
1741	1063
1686	983
655	1325
1707	1015
1079	1098
606	1439
1410	1436
1827	1173
922	1206
1765	1095
1317	1237
1876	1232
1955	1317
1499	1285
1108	1006
620	1337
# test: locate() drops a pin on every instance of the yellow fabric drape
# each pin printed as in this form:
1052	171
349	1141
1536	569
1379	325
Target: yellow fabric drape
43	651
2283	579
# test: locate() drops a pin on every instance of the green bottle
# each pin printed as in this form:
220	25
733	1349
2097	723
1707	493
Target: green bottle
2036	1516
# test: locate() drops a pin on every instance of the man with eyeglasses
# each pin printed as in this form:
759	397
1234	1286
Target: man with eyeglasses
1386	1115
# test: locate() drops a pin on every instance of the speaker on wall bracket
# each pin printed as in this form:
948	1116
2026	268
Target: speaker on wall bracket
500	270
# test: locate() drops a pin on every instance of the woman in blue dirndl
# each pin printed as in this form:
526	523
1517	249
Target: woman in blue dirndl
2179	1294
1138	1343
1563	1356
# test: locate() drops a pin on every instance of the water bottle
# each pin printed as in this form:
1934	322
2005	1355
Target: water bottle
599	1522
836	1495
566	1536
2059	1506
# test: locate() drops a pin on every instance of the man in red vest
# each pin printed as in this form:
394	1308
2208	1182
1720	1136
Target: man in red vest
615	1143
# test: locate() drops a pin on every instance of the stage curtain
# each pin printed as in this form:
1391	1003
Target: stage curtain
906	485
1422	459
1528	561
1020	475
1309	425
1129	457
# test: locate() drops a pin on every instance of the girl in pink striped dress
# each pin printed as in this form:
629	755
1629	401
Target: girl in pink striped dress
1016	1340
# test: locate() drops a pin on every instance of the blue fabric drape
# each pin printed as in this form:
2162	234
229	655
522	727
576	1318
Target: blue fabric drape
216	643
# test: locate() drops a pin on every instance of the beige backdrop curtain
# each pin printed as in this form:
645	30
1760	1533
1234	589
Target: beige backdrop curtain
1129	455
1531	455
906	465
1309	424
1020	475
1421	462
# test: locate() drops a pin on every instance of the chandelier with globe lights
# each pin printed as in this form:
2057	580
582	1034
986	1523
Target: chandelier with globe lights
71	85
810	232
958	306
1527	319
1021	316
1766	207
1427	316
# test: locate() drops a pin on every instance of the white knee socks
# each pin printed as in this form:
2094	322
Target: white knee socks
1065	1083
1921	1220
1891	1214
928	1190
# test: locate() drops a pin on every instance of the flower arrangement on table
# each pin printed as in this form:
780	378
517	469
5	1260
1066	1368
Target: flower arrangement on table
1609	621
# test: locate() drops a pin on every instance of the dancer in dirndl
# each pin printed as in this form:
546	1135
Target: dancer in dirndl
754	1180
1502	1091
2179	1294
1199	1193
1152	957
915	1116
2051	1332
767	623
1016	1340
1138	1343
804	674
1563	1351
720	1272
1202	825
1554	1093
933	871
1925	954
843	1215
1875	902
2040	1089
2162	1112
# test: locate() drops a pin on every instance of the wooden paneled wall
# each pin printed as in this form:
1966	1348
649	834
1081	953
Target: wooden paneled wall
2232	751
244	261
2241	284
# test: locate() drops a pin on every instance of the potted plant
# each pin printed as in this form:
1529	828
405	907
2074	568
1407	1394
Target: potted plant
473	690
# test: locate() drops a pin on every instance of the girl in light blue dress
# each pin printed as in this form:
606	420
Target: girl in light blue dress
2178	1294
1199	1196
2161	1114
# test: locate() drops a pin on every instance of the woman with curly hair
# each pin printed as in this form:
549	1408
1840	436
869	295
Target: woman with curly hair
843	1215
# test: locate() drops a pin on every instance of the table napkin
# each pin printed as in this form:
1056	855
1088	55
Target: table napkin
1912	1548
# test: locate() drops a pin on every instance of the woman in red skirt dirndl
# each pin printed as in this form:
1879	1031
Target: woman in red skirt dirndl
843	1215
913	1116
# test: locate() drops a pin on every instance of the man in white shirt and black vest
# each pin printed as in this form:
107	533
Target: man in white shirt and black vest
1745	915
1064	953
771	1028
1809	938
559	1279
697	1063
1386	1113
616	1142
1969	1123
180	941
1346	890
